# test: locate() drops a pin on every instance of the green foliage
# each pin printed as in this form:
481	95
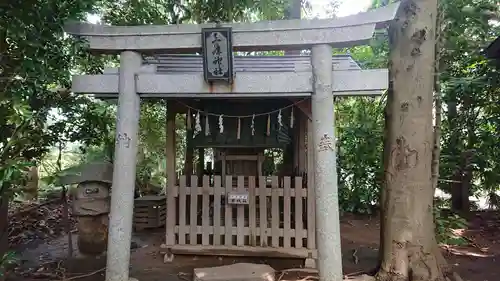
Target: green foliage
131	12
11	174
37	112
448	226
7	259
152	137
211	10
445	227
359	123
468	83
36	58
470	87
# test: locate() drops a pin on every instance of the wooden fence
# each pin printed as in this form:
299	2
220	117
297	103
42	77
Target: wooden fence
277	221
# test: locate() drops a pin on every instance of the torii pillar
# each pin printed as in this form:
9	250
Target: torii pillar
124	169
325	167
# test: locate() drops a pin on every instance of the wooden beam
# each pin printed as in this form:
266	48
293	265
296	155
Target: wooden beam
302	122
305	107
245	251
311	189
200	165
275	35
366	82
189	153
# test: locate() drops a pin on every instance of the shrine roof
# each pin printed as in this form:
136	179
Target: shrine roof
181	76
194	63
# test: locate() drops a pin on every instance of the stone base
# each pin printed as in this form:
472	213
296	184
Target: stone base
168	257
92	235
310	263
235	272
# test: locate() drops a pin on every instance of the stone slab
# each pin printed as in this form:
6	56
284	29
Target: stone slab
235	272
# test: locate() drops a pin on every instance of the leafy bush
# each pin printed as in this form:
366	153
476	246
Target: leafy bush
359	125
7	259
446	224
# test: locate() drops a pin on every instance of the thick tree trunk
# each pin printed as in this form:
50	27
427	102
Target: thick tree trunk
409	246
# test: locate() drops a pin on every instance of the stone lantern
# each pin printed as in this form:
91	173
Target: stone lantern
91	205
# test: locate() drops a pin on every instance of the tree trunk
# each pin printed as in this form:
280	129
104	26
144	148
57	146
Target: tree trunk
30	190
4	233
386	156
436	150
462	183
465	185
408	242
456	189
293	11
438	66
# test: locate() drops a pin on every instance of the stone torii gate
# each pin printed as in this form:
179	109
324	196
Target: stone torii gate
135	81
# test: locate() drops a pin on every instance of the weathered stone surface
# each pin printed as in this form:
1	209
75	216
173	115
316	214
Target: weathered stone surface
235	272
96	171
91	199
92	234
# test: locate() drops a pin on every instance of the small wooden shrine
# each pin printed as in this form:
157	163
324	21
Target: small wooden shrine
276	215
236	209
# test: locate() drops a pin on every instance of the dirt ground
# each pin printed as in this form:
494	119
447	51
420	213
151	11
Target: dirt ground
360	237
